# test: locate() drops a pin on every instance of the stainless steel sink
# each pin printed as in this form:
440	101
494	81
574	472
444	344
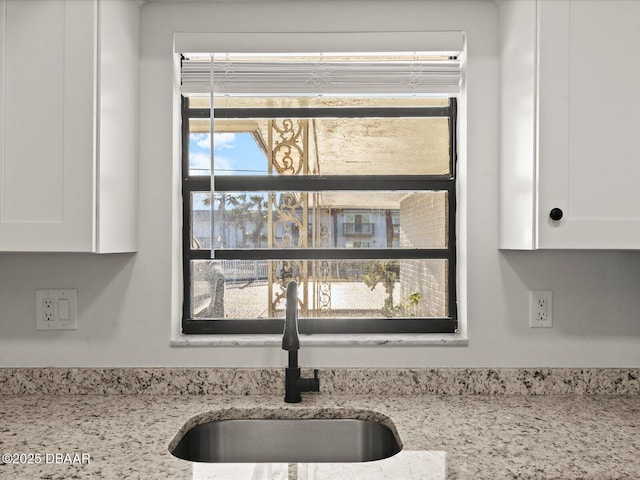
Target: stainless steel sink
287	440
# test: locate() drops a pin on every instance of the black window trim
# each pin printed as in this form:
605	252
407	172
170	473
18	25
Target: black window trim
310	325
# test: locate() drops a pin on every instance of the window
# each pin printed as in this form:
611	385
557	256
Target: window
352	196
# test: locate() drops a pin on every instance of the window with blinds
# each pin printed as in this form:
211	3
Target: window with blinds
337	170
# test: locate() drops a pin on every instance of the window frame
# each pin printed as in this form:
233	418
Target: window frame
312	325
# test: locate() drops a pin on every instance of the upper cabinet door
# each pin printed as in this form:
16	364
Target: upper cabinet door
47	97
582	164
68	125
589	165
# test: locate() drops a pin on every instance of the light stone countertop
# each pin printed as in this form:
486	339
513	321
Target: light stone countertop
483	436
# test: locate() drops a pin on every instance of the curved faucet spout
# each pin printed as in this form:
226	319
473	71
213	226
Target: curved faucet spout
290	336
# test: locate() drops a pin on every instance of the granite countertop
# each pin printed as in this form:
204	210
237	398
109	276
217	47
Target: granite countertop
484	436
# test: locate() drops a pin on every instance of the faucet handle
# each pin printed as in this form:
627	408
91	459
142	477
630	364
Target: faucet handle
309	384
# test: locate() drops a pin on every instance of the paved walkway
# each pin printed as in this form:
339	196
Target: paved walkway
250	300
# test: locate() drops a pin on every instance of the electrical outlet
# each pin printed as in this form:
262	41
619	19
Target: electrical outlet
541	309
48	309
57	309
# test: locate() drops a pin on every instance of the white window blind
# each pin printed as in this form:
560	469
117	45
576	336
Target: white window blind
310	74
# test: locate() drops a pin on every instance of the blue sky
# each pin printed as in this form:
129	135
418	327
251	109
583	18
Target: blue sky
235	154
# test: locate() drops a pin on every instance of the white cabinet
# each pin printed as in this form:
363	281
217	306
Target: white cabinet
68	125
570	127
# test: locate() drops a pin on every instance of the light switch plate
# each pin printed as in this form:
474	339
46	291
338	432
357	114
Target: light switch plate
57	309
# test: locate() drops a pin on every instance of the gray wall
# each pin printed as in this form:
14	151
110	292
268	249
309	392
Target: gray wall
127	302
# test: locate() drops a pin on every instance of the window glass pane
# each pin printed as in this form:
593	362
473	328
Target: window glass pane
329	146
265	220
199	101
248	289
199	147
207	289
238	148
240	153
200	221
250	145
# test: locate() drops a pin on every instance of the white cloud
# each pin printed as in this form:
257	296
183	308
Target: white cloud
223	140
204	142
200	162
224	165
201	140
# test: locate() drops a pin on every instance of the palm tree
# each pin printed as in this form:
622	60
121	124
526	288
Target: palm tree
223	201
238	216
260	203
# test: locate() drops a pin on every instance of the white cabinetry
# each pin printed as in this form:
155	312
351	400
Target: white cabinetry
570	124
68	125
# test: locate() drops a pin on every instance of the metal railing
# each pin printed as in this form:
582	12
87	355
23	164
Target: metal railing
241	270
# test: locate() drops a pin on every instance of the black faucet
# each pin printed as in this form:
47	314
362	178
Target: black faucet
293	384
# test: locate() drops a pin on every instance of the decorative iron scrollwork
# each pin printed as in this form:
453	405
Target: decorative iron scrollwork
288	154
324	286
322	268
288	227
288	211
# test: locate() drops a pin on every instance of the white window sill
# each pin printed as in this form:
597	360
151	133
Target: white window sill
409	339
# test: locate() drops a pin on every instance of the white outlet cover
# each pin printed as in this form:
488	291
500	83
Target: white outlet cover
534	321
64	301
